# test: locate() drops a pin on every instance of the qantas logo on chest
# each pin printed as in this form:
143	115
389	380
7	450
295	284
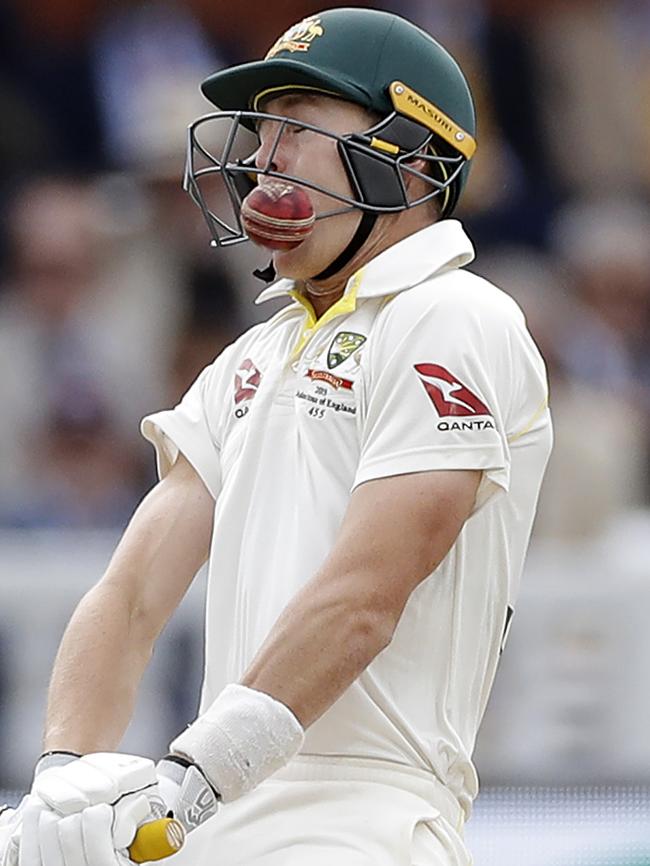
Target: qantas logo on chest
448	394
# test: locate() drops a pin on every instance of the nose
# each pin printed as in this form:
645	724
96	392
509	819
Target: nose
271	154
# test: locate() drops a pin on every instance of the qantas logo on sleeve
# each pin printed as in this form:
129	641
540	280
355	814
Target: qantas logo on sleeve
448	394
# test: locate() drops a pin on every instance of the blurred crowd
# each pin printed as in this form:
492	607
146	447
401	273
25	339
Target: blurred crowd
111	299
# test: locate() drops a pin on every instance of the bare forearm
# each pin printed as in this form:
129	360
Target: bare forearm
109	640
396	532
317	648
96	674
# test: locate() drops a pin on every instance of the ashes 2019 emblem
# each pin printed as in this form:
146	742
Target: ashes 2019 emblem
343	345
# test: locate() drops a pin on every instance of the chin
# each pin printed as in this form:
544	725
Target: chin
318	251
297	264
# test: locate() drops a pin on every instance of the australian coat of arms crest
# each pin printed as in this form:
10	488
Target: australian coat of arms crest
299	37
342	346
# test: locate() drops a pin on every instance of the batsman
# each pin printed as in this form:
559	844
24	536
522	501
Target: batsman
360	472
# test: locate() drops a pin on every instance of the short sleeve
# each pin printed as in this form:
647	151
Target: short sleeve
432	397
190	428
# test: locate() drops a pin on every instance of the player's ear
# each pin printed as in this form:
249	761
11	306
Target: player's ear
411	180
418	163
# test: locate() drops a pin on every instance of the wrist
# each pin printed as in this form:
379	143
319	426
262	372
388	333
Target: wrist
241	739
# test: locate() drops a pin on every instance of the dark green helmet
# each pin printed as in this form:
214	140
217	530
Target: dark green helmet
375	59
359	54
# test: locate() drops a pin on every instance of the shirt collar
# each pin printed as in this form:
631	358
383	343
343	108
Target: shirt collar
433	250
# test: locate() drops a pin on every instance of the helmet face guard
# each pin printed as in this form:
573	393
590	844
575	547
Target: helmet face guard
221	169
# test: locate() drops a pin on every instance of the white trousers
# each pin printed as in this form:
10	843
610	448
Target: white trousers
334	812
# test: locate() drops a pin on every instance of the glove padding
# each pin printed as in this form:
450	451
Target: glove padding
10	828
87	812
96	836
102	777
11	820
186	792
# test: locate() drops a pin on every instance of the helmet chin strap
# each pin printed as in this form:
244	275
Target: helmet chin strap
361	235
358	239
266	275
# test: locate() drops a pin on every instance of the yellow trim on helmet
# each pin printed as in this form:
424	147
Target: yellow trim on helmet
409	103
386	146
284	87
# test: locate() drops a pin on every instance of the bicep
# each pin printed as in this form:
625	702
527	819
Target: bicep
399	528
164	545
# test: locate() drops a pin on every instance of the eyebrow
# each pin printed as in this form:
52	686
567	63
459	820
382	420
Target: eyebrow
289	101
259	121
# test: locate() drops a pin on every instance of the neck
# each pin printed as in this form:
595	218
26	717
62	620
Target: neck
388	230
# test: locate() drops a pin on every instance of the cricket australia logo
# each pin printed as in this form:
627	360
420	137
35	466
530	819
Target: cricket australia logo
452	398
343	345
247	381
298	38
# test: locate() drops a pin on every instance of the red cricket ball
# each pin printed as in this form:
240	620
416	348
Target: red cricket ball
278	215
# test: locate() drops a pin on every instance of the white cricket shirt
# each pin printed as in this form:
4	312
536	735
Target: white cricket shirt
420	366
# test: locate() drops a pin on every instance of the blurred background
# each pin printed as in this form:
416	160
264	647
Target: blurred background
111	302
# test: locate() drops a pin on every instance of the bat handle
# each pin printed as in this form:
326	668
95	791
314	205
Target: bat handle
156	840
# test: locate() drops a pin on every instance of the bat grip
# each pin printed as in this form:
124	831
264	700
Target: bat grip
156	840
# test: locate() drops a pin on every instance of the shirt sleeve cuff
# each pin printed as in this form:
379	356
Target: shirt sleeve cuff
491	461
168	435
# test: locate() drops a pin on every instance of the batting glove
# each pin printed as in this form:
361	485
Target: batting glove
10	828
88	812
11	820
188	795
